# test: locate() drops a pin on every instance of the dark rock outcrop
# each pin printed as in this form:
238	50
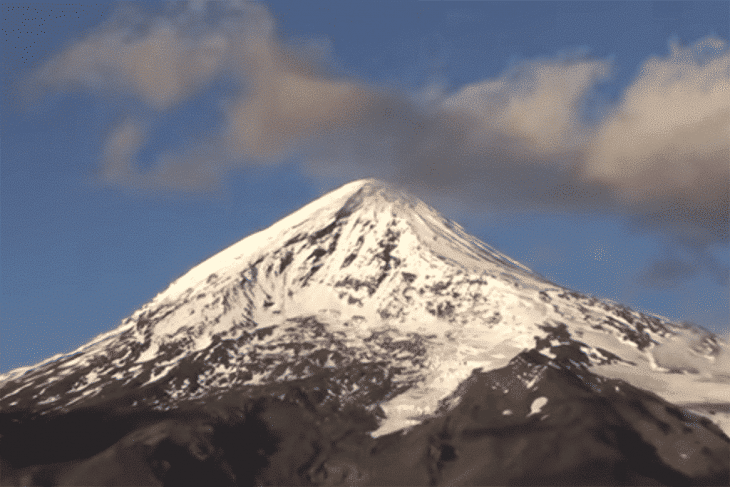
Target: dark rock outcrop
537	421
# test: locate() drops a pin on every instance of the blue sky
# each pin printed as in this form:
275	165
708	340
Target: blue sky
587	140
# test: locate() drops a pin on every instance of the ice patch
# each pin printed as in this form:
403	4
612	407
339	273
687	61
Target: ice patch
19	389
537	405
148	354
50	399
531	383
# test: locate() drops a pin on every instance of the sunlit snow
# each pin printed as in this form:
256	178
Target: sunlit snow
537	405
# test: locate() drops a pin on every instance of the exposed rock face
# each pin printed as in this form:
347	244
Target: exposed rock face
366	340
545	422
536	421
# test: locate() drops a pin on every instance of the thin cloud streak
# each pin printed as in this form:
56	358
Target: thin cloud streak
661	157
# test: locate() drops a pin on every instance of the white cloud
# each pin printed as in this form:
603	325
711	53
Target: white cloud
536	104
661	157
671	133
163	64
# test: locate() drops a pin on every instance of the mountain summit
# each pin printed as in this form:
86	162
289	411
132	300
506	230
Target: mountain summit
367	298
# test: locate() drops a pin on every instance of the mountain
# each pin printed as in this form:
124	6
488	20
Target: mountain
362	334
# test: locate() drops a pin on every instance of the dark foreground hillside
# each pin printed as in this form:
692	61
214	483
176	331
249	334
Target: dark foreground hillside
537	421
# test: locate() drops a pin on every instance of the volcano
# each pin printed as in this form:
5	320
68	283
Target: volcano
367	340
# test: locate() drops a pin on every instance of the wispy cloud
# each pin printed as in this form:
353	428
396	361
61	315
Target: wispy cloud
670	270
122	144
155	58
669	135
536	104
666	273
665	151
187	169
661	157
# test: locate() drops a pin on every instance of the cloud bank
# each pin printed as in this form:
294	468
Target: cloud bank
661	156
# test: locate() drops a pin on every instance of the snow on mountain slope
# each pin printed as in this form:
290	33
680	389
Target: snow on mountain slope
364	278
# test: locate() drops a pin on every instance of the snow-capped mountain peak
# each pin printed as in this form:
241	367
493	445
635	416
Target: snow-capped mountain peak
366	285
366	198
